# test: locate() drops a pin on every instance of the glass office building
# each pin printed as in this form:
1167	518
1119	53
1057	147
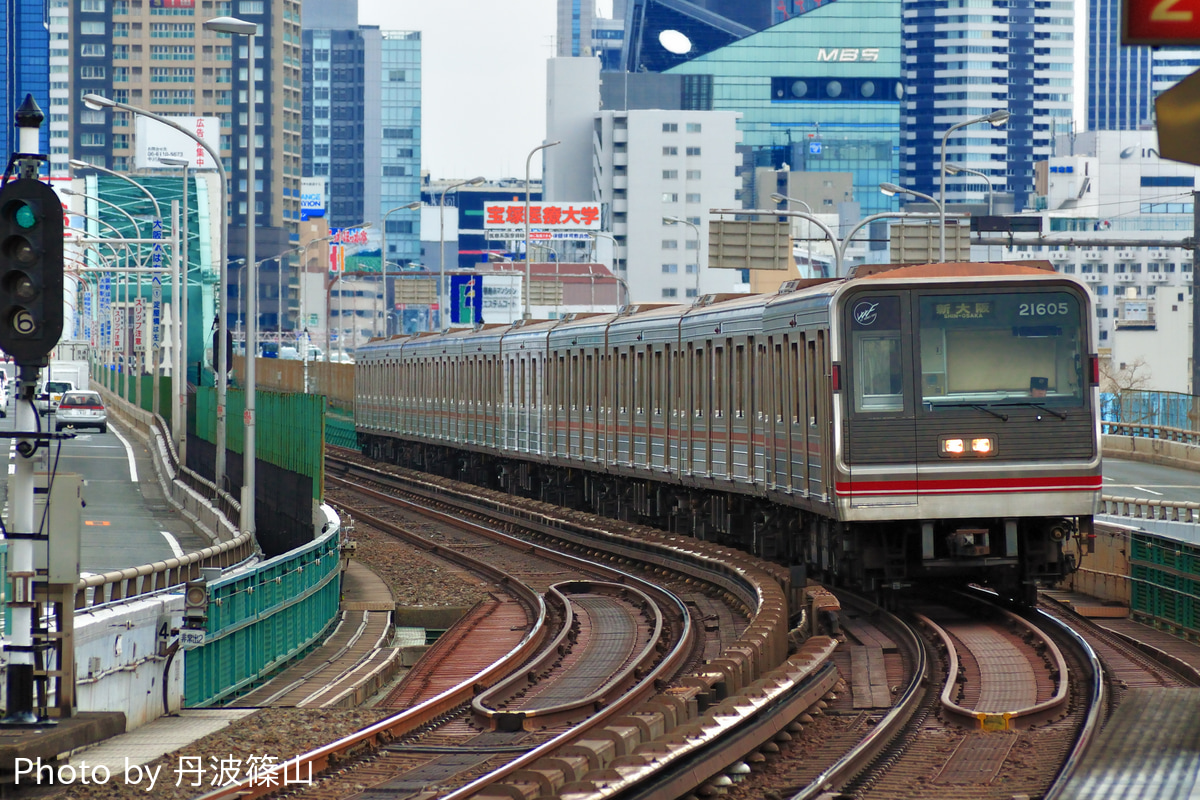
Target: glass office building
25	56
1122	82
818	92
362	128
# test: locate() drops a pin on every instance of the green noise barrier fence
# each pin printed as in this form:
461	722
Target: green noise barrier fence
259	620
289	428
339	431
1165	584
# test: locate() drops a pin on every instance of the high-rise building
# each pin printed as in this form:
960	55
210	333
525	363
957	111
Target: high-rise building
362	123
24	66
574	33
652	165
156	55
963	61
1122	82
818	92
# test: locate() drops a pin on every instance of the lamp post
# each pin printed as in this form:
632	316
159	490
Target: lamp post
96	101
137	234
891	189
952	169
995	119
783	198
696	228
383	255
329	287
238	27
620	281
444	310
158	218
179	387
529	158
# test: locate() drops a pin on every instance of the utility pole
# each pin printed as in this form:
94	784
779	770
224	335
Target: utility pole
1195	293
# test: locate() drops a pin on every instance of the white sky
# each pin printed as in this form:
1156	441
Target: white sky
483	80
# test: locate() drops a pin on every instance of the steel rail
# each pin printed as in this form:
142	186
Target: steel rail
884	733
1010	719
647	666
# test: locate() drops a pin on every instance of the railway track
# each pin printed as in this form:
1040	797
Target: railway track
649	703
881	734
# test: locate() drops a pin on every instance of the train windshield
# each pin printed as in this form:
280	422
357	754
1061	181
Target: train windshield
1001	348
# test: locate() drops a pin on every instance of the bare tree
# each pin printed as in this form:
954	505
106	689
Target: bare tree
1127	381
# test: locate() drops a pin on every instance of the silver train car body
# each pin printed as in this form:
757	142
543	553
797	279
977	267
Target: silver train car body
920	422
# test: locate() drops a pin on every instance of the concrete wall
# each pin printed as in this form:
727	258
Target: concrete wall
121	662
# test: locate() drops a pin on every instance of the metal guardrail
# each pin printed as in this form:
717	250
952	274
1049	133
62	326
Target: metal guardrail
1181	435
1141	508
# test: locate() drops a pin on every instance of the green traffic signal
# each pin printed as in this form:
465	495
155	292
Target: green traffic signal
25	216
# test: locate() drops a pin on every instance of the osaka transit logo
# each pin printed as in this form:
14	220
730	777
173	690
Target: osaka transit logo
864	313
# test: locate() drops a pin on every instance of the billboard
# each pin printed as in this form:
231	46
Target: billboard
156	141
545	216
313	192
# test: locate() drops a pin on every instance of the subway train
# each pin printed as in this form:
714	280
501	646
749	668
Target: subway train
895	428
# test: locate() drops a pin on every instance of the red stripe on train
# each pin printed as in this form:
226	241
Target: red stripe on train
977	486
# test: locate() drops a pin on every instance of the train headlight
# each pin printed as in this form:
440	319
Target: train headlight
956	446
982	446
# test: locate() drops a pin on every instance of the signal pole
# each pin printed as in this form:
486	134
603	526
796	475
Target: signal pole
31	320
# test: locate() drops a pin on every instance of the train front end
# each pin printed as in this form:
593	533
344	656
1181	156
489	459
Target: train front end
967	438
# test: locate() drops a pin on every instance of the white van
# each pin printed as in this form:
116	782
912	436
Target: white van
60	377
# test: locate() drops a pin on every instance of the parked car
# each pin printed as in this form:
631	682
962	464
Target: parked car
81	410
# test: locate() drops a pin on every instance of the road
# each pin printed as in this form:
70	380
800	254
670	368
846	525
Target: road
126	520
1135	479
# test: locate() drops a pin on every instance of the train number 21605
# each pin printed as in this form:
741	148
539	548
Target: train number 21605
1041	309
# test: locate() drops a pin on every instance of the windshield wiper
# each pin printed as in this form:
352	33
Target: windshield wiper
980	406
996	414
1045	408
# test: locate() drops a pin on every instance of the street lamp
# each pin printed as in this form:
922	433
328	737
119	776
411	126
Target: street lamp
951	169
444	310
696	228
384	255
181	307
237	27
620	281
995	119
136	234
891	189
528	158
783	198
95	101
80	164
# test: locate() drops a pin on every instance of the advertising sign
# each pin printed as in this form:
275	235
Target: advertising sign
139	324
118	336
545	216
172	3
155	141
501	301
156	311
312	197
1170	22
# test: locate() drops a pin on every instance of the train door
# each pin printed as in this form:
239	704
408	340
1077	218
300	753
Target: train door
740	410
879	441
657	406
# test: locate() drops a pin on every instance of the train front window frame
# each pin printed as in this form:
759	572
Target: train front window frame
1001	347
878	330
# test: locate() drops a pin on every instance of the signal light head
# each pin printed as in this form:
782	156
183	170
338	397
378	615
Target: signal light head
25	216
31	270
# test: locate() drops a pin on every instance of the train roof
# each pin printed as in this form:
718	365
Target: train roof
954	269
